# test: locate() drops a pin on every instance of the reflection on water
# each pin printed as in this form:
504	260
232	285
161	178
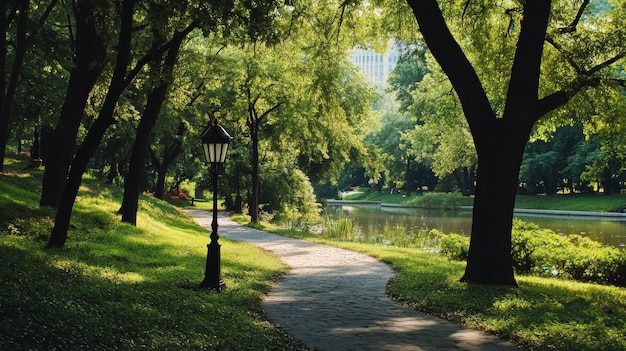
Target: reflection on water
372	218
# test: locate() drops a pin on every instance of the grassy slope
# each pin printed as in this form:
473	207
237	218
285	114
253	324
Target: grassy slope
541	314
115	286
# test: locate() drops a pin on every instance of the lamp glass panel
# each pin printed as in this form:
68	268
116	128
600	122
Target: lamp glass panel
206	152
213	152
222	155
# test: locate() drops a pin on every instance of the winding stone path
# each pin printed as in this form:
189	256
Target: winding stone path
334	299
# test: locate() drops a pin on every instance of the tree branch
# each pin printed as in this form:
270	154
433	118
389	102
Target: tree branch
568	58
455	64
572	27
563	96
266	113
178	36
606	63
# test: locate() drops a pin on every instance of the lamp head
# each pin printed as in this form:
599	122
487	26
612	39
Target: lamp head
215	142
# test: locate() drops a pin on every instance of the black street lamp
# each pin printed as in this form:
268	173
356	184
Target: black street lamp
215	142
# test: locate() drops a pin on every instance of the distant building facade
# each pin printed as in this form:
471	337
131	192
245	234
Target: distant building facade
374	66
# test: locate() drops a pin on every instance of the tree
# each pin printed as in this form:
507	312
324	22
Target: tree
161	76
440	137
301	99
500	136
396	151
408	73
89	62
117	85
15	15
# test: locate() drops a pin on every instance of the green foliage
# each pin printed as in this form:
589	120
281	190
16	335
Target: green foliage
438	200
326	191
454	246
534	250
542	251
559	162
115	286
288	195
344	228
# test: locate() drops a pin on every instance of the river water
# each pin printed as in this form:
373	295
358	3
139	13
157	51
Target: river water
371	218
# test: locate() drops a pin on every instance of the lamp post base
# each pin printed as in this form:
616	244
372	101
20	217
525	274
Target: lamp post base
212	274
219	286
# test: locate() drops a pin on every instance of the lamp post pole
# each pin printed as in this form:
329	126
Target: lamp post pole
215	141
212	272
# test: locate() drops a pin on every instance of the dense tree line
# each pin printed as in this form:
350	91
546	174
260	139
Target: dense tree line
565	159
127	86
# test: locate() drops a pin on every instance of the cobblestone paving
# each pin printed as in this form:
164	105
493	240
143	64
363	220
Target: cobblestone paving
334	299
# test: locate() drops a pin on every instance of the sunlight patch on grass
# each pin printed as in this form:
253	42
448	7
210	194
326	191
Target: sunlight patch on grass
512	303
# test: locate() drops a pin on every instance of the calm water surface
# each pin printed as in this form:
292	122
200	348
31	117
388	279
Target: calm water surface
372	217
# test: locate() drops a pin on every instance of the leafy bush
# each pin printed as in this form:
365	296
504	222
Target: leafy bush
288	195
534	250
438	200
454	246
543	251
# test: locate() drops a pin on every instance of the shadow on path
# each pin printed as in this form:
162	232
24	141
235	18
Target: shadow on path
334	299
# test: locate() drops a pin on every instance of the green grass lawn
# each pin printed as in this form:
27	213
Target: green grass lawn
540	314
115	286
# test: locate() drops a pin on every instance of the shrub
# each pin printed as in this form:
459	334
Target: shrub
577	257
454	246
288	196
438	200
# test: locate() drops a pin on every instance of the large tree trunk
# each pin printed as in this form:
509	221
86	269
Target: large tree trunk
139	154
70	190
90	56
490	260
137	164
105	118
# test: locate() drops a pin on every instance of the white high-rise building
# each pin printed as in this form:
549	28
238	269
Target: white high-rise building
374	66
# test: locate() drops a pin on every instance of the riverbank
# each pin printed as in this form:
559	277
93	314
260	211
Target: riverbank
576	205
564	213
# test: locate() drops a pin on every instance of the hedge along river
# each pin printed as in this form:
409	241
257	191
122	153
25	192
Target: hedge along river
372	218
